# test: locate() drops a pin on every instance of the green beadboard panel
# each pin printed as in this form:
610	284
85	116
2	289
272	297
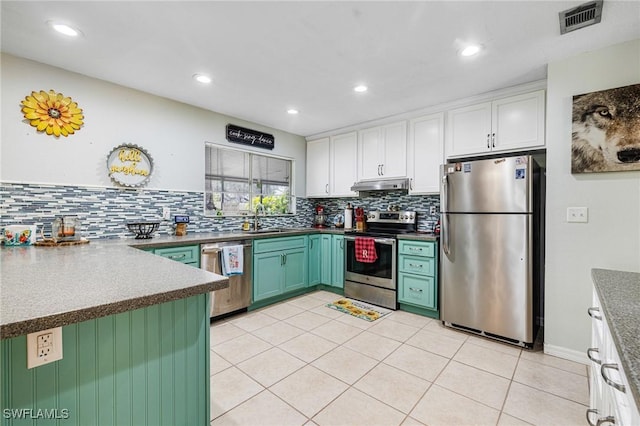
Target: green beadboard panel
144	367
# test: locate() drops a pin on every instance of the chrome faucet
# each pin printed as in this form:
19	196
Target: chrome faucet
259	208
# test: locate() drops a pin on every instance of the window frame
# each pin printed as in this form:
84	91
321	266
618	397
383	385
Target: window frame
249	181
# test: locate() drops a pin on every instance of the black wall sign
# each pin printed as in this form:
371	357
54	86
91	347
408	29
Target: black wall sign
244	136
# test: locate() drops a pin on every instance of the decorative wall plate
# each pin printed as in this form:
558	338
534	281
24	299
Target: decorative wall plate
129	165
52	113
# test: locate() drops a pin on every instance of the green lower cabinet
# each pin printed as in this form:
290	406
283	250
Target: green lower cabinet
418	277
417	289
279	266
315	260
337	261
268	275
326	268
295	271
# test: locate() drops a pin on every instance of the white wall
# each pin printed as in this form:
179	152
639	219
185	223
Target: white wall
173	133
611	238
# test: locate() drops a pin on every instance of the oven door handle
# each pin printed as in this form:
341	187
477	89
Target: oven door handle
387	241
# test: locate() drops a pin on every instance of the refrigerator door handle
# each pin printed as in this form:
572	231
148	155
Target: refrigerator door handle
445	217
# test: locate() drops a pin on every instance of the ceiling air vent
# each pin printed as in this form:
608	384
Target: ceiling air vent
582	16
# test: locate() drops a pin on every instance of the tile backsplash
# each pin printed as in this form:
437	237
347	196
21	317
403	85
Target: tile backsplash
104	212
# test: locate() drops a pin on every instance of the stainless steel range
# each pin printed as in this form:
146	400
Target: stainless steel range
374	281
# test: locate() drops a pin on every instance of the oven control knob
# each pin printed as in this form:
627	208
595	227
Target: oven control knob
371	216
411	216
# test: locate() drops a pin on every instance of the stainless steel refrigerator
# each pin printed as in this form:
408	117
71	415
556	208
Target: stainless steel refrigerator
492	248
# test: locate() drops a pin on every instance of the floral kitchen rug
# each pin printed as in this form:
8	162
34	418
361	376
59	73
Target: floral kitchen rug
359	309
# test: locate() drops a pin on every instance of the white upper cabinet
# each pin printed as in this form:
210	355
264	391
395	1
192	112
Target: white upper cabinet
425	153
343	164
507	124
382	152
318	168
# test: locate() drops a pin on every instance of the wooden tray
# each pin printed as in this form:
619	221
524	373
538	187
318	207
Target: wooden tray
52	243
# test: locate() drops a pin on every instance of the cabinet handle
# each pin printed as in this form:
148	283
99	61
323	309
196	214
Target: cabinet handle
177	256
591	311
493	140
415	248
590	351
411	184
285	259
381	169
326	188
342	244
415	266
589	412
415	289
608	419
281	259
610	382
311	241
488	143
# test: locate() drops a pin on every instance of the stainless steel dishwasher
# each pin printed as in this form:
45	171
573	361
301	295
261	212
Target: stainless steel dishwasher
238	295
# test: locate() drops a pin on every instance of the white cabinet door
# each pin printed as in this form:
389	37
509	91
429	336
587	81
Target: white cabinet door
469	130
509	124
318	168
382	152
425	153
369	164
518	122
343	164
393	151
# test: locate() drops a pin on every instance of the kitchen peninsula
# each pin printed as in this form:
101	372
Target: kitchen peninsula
135	335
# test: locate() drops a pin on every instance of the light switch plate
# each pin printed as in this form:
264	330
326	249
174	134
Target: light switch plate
577	214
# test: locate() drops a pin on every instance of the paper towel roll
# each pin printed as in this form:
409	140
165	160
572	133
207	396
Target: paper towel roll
348	217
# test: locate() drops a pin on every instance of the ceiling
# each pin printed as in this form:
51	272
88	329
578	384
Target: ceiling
266	57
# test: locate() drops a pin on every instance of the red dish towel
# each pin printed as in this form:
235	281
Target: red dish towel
366	250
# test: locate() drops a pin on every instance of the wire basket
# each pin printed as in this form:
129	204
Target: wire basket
143	230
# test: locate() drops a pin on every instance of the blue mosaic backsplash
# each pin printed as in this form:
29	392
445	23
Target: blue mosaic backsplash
104	212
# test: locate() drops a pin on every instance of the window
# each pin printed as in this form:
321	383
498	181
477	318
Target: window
239	182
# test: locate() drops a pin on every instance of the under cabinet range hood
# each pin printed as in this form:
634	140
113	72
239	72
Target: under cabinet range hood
381	185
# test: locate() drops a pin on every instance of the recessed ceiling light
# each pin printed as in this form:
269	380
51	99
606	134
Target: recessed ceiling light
64	29
470	50
201	78
292	111
361	88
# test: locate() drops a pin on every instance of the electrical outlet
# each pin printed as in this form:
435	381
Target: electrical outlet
44	347
432	210
166	213
578	214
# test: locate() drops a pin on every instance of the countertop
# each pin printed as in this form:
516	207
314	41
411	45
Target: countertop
46	287
619	294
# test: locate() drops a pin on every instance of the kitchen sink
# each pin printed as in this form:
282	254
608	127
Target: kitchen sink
268	231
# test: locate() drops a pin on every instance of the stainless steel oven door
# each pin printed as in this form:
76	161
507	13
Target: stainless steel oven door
381	273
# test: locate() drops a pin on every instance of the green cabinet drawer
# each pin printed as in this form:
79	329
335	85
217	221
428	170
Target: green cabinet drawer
417	265
417	290
184	254
279	244
417	248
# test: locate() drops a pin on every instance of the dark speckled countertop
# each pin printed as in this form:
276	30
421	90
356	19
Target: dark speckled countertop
619	294
45	287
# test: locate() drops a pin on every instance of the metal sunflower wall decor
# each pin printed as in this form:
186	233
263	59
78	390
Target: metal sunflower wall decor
52	113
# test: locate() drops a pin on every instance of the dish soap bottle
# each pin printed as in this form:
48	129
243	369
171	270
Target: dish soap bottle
245	225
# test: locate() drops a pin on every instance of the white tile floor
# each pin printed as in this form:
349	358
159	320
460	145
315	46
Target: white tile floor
301	363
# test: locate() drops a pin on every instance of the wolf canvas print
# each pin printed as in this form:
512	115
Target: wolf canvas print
606	131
